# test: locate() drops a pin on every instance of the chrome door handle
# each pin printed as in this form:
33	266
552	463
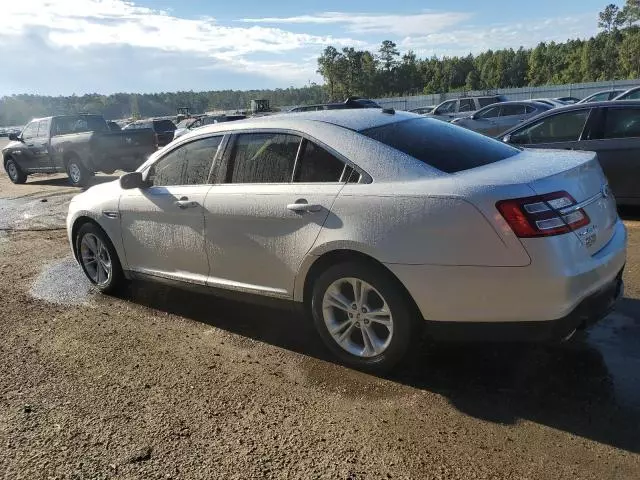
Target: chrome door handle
304	207
184	202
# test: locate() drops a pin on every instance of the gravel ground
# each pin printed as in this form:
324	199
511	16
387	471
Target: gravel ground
160	383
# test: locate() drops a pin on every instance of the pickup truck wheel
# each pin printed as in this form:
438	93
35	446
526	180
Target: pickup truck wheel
78	174
13	170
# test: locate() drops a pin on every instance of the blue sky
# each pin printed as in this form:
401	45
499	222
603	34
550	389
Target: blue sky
105	46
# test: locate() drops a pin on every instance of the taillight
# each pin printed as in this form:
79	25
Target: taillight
540	215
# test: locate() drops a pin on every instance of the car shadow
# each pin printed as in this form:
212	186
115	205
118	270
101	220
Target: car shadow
586	387
629	213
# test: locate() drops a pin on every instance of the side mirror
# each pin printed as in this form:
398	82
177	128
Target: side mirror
132	180
13	137
506	139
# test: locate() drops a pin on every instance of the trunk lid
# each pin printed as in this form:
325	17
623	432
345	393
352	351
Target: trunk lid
547	171
583	178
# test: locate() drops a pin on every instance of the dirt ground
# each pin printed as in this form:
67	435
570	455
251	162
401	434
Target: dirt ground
160	383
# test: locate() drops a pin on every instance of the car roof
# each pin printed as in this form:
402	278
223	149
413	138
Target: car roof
351	119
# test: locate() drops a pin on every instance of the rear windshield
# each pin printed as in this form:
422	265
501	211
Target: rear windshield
164	125
441	145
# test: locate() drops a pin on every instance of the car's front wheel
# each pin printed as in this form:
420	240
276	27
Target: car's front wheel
16	175
364	316
98	258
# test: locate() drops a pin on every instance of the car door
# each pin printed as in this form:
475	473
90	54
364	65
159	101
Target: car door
163	225
25	153
617	142
276	190
510	116
562	130
40	146
484	121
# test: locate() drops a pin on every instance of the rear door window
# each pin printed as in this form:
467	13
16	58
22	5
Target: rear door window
563	127
317	165
622	123
164	126
440	144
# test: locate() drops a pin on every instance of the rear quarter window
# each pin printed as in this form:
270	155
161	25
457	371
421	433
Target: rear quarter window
163	125
441	145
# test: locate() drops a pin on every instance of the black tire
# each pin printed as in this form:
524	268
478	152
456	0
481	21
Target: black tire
78	174
116	280
406	323
16	175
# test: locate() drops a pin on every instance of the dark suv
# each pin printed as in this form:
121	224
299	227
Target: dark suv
163	129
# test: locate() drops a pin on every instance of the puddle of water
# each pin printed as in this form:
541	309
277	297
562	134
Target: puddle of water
63	283
26	213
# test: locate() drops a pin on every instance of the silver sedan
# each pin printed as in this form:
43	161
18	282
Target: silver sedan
500	117
378	223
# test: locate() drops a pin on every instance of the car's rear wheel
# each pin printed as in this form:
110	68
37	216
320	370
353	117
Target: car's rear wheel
78	174
364	316
16	175
98	258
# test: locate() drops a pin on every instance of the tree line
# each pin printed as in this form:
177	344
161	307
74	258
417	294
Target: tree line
611	55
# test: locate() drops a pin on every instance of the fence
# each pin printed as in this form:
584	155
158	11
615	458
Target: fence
579	90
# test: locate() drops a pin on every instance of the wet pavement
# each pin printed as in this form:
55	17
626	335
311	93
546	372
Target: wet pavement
62	282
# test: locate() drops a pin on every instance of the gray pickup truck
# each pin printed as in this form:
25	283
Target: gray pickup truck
79	145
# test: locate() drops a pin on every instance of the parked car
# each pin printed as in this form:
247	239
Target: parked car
163	129
422	110
79	145
349	103
602	96
611	129
188	124
495	119
631	94
379	224
462	107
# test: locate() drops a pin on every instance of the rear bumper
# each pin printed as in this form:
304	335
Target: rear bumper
590	311
550	289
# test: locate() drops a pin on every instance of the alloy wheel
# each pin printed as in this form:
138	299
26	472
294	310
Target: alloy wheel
357	317
96	259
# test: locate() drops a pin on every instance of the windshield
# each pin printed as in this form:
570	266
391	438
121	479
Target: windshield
79	124
441	145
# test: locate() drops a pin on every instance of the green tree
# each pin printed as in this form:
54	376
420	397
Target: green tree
610	18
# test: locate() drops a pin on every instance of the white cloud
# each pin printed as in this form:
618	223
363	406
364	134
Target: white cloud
84	24
462	41
362	23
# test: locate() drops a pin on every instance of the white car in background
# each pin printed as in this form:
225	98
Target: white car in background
379	224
